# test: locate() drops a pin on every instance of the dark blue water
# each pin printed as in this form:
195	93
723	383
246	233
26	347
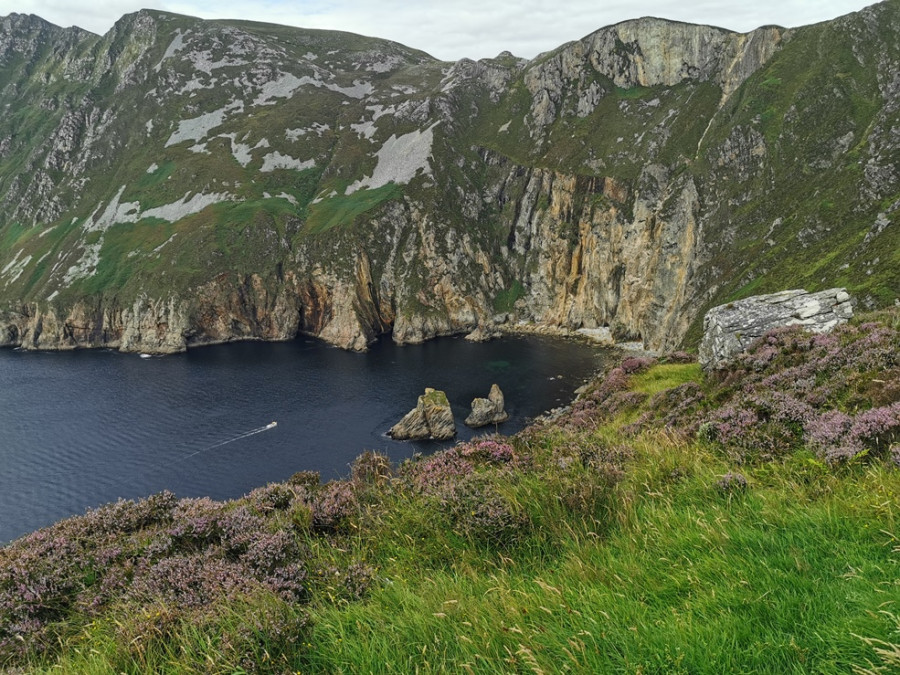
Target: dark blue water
79	429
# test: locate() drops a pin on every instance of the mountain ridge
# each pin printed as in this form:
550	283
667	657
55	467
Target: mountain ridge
178	182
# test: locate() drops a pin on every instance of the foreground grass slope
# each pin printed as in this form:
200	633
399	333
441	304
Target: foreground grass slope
668	522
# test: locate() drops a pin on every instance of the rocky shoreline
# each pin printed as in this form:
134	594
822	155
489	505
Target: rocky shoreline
165	327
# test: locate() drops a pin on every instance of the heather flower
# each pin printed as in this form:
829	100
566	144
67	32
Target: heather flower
196	523
431	474
878	427
839	437
272	497
481	513
129	516
762	356
615	380
843	452
186	554
621	401
192	581
239	528
612	397
732	482
676	407
334	505
288	582
584	415
730	423
305	479
780	407
494	451
113	584
268	551
791	387
636	364
828	429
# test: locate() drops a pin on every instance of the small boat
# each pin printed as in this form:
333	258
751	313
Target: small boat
271	425
146	356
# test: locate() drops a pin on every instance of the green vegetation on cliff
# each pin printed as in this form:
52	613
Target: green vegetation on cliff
745	521
633	178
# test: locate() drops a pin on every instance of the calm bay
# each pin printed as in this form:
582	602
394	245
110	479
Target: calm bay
79	429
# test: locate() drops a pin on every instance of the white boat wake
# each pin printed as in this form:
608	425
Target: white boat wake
246	434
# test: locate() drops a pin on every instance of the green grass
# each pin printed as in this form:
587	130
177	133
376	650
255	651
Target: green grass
634	92
691	581
117	261
14	232
505	300
342	209
665	376
149	180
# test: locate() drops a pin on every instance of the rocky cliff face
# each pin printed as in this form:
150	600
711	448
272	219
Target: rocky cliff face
644	53
179	182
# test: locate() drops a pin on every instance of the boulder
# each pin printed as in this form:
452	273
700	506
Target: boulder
483	334
431	419
729	329
488	410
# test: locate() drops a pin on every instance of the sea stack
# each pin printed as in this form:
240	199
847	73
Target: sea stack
431	419
488	410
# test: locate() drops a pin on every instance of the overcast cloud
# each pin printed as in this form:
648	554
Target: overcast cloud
452	29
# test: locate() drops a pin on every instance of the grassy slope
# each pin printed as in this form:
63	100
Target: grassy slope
690	580
690	577
578	545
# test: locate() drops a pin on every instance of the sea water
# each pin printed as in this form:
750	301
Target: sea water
79	429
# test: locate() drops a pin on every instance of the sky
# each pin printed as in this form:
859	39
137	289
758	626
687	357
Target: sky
452	29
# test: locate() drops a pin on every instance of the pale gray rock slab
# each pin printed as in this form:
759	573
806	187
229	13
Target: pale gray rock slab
730	329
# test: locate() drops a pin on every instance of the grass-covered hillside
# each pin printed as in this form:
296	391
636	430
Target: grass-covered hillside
668	522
